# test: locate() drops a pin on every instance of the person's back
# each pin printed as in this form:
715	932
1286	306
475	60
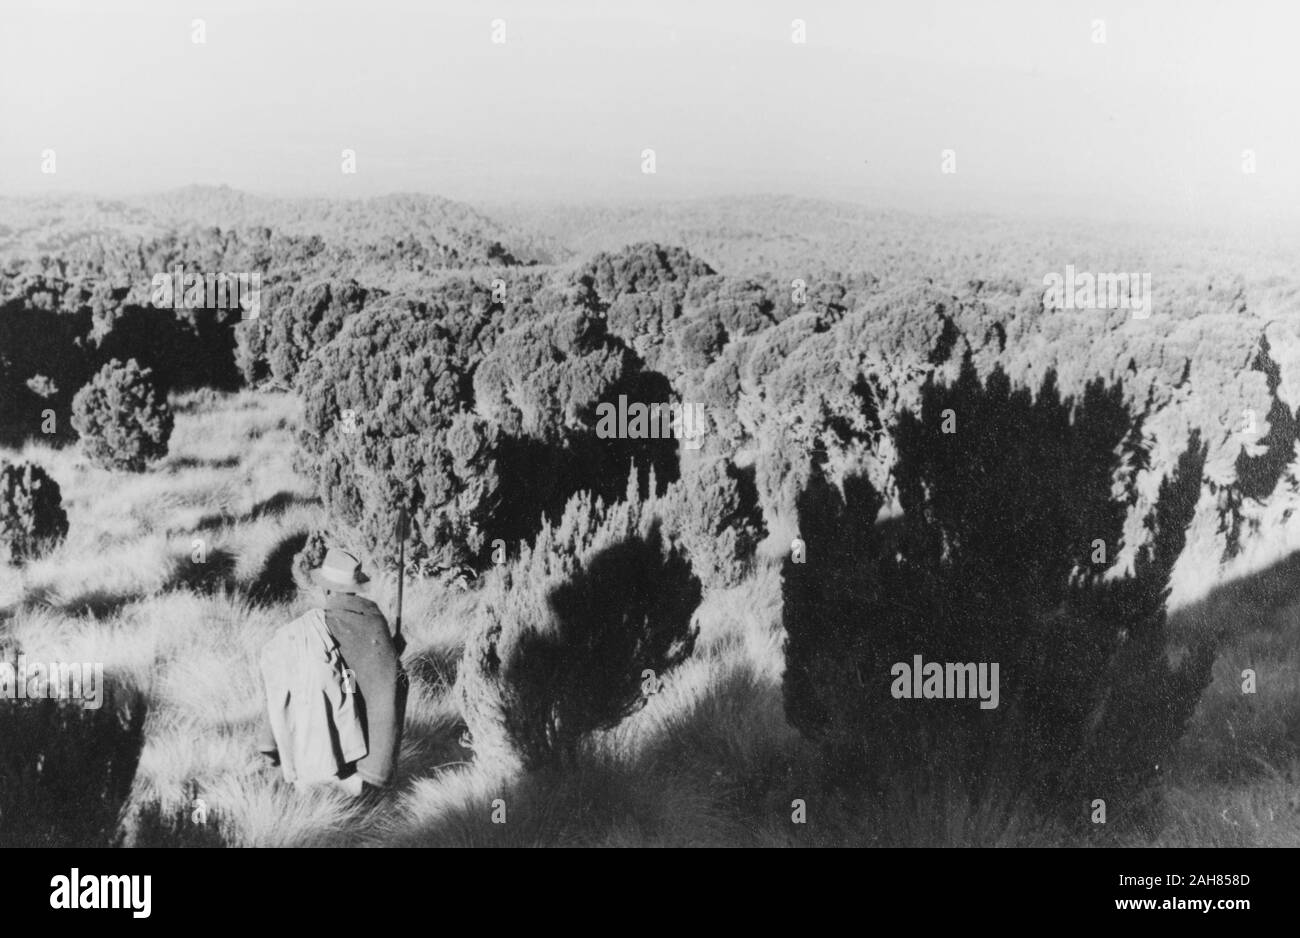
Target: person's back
312	724
373	667
372	675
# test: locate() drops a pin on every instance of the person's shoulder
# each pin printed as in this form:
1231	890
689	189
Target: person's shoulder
371	607
311	617
288	638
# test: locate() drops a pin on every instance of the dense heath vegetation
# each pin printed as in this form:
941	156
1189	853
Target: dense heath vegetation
971	478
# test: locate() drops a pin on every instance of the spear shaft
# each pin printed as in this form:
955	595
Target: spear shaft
402	530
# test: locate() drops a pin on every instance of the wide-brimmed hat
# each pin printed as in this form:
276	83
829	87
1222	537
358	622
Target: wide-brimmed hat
339	571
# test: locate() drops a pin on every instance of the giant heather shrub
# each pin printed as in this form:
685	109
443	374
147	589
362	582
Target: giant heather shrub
542	385
43	360
183	348
566	634
123	419
476	428
810	387
644	268
713	511
311	317
386	423
544	379
1001	555
32	519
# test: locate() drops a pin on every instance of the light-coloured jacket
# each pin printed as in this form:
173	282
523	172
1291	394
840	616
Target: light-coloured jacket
310	701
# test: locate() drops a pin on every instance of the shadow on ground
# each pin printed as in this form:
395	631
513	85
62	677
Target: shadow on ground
279	502
213	574
275	582
1238	736
182	463
100	603
705	778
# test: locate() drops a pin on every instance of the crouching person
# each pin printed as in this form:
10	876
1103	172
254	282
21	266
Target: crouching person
335	692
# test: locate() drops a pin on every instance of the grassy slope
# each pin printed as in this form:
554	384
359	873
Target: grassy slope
710	760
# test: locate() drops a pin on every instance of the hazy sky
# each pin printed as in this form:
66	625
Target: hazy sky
1152	122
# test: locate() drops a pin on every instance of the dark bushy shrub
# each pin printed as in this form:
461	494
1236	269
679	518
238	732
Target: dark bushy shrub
311	317
543	385
544	379
478	432
566	634
644	268
123	419
67	770
32	519
43	360
994	561
713	511
741	307
183	348
386	424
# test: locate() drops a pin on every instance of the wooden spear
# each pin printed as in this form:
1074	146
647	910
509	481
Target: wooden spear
403	529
